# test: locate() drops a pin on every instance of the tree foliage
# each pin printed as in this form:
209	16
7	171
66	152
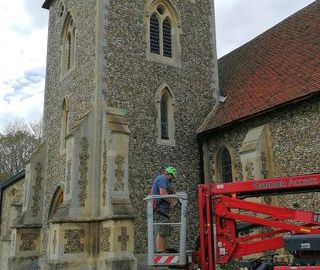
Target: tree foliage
17	142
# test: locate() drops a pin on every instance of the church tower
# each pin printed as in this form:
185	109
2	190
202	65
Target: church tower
128	83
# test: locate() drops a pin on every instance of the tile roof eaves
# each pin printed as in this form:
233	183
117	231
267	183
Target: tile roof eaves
260	113
206	121
12	180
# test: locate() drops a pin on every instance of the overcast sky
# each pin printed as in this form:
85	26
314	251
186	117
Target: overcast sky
23	28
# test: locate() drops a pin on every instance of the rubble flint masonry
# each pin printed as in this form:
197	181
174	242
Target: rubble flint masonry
81	203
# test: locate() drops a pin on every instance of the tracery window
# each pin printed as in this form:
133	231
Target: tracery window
68	45
164	32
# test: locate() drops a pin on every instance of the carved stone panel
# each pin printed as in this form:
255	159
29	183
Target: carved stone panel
264	163
83	168
123	238
73	243
54	241
37	190
250	170
28	241
105	239
104	169
68	176
119	173
13	242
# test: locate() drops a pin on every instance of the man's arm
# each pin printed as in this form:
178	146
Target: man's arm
172	201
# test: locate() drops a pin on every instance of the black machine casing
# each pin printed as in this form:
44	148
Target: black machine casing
302	242
305	248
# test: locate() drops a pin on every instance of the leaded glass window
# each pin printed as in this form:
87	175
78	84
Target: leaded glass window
164	117
154	34
167	42
226	168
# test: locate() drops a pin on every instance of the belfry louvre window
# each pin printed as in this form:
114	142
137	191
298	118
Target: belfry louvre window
61	10
164	31
226	167
160	37
154	34
68	45
164	117
167	39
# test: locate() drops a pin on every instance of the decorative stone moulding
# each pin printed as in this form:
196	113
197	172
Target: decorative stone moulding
117	244
105	243
25	242
115	173
83	169
74	241
119	173
254	153
37	189
67	241
33	190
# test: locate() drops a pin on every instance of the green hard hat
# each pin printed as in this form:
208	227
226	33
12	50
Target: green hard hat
171	171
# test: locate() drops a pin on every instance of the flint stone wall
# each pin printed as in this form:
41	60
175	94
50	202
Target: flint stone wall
295	144
78	85
132	82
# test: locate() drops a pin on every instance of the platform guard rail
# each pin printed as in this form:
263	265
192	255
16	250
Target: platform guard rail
167	259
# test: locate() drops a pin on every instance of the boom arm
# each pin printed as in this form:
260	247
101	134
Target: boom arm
222	205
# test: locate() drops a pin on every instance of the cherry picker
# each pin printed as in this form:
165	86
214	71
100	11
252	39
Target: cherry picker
231	226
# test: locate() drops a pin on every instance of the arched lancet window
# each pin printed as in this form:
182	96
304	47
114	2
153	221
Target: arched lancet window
57	200
68	44
165	103
164	32
164	116
69	51
225	165
154	34
64	122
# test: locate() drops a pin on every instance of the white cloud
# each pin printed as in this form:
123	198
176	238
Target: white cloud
23	58
238	21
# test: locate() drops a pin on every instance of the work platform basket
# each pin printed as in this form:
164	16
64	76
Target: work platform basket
179	256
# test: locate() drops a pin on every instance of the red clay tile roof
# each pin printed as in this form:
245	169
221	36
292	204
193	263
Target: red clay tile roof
279	66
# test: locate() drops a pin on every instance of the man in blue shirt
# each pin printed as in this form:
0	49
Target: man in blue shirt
161	186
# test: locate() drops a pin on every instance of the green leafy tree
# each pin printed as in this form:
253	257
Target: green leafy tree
17	142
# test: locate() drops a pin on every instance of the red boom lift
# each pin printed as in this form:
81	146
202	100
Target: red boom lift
227	222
